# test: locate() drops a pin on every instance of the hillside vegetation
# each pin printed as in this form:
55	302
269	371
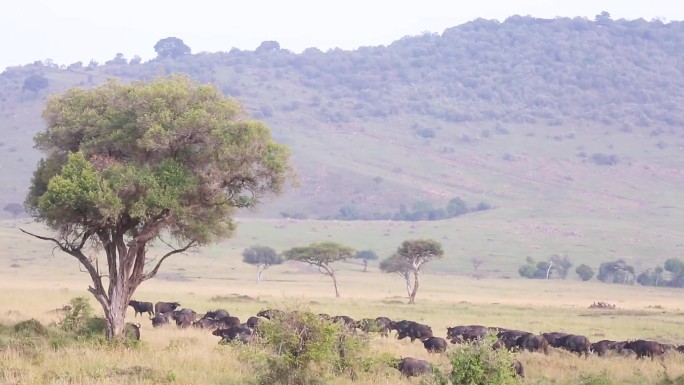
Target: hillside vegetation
568	129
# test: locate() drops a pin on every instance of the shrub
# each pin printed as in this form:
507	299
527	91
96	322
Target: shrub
477	363
78	317
301	348
31	327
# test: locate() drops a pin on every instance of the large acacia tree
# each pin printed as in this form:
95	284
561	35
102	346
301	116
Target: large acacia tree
322	255
409	261
127	164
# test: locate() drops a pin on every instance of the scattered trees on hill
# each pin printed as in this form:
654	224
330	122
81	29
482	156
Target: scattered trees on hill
365	256
118	180
419	211
616	272
171	47
556	264
35	83
322	255
262	257
585	272
409	261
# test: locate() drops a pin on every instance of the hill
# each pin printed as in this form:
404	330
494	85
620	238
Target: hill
563	123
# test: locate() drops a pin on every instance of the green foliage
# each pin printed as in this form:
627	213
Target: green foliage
302	349
261	255
556	265
78	318
171	47
320	254
419	211
35	83
477	363
585	272
31	327
616	272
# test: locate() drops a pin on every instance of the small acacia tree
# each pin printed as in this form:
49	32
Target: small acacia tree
398	265
415	254
322	255
126	164
262	257
585	272
365	256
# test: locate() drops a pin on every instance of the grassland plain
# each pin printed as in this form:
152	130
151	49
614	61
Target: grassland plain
34	281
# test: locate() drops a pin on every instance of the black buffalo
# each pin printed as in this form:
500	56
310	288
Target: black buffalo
519	369
206	323
227	322
509	338
379	324
602	347
216	314
533	343
165	307
575	343
161	319
553	338
346	321
141	307
270	313
184	317
413	330
253	322
412	367
645	348
435	345
240	333
466	332
133	331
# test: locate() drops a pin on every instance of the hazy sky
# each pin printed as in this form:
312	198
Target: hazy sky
67	31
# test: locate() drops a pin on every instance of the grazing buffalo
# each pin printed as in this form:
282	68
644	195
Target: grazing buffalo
575	343
533	343
509	338
519	369
165	307
161	319
412	367
253	322
206	323
216	314
384	324
235	333
227	322
645	348
270	313
133	331
413	330
141	307
602	347
347	322
435	345
184	317
471	331
553	338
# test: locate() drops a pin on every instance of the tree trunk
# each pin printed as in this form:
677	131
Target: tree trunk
409	289
337	292
365	265
412	298
259	273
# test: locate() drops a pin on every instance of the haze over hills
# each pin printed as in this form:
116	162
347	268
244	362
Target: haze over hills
564	120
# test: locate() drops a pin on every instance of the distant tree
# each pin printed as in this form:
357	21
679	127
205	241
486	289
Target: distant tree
456	207
616	272
416	253
35	83
268	46
585	272
561	265
527	271
322	255
171	47
674	266
365	256
477	262
262	257
136	60
118	59
398	265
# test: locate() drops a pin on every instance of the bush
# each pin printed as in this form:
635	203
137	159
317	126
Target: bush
477	363
77	318
301	348
31	327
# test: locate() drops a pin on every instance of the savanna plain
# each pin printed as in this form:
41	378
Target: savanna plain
35	280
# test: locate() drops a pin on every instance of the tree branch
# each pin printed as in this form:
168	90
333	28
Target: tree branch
154	271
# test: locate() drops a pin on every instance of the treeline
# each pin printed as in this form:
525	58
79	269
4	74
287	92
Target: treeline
671	274
523	70
419	211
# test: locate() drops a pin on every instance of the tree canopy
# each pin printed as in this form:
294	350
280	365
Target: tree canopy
127	163
171	47
365	256
322	255
262	257
409	261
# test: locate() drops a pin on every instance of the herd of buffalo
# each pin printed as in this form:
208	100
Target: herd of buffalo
230	328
